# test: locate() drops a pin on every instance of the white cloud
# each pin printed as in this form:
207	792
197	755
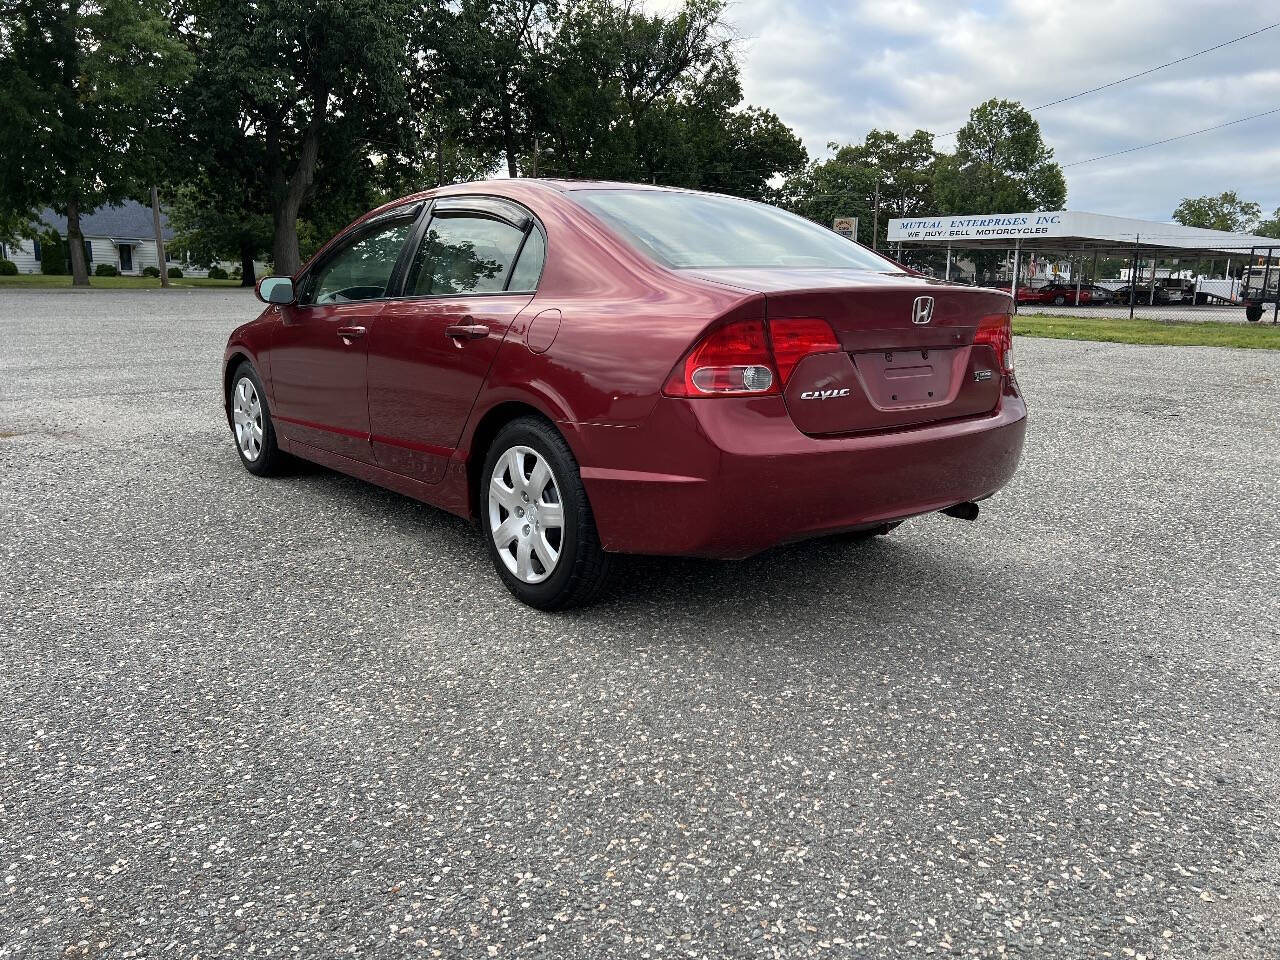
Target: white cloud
834	69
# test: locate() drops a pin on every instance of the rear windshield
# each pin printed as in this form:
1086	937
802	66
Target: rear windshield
698	230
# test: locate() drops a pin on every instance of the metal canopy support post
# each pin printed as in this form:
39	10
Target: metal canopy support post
948	276
1266	283
1133	274
1076	268
1017	259
1152	301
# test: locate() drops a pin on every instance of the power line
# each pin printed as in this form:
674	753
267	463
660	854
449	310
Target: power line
1142	73
1181	136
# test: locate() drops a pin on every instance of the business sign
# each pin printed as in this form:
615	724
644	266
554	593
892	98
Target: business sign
989	227
847	227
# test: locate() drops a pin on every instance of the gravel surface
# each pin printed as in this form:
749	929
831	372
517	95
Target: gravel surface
302	718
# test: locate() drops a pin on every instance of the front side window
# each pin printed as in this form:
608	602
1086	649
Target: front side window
698	230
463	254
362	270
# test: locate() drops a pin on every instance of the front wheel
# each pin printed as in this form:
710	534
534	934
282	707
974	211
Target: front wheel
251	425
538	524
1059	300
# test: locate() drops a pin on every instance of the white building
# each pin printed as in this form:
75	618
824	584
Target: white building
122	236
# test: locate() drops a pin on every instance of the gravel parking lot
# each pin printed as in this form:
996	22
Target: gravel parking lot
301	716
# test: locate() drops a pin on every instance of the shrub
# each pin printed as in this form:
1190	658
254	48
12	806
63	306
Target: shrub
8	268
151	271
217	273
237	272
53	253
105	270
175	273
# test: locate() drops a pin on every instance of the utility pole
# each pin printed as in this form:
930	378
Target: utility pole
534	164
161	262
875	216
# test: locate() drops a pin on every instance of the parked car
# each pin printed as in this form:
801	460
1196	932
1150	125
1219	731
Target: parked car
593	368
1143	294
1064	293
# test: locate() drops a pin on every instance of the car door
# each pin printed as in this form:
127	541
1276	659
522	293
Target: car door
319	349
475	266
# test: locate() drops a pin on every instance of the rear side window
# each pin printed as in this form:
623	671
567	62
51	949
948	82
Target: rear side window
699	230
463	254
524	278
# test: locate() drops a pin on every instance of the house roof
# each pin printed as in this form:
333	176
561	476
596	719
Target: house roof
129	221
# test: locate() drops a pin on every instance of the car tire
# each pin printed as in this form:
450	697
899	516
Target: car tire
251	428
1059	300
1253	312
536	519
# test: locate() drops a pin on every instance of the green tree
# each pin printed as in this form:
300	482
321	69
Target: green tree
1000	165
213	224
899	169
1269	227
493	66
621	93
88	89
1226	212
315	86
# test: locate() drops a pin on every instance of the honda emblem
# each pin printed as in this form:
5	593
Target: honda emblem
922	310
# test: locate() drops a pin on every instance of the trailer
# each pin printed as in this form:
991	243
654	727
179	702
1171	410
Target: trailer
1260	283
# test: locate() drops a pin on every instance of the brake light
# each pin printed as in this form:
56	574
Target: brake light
794	338
996	331
741	358
732	359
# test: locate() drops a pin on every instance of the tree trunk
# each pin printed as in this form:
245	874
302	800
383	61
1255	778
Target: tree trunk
286	260
289	194
75	243
247	276
508	129
161	260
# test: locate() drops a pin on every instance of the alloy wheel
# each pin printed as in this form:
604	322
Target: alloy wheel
526	514
246	415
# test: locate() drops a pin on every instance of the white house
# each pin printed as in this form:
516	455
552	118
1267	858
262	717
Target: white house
122	236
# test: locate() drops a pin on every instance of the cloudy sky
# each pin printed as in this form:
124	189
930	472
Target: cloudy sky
832	69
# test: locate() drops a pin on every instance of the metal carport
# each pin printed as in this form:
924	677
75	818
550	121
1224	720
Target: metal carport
1070	231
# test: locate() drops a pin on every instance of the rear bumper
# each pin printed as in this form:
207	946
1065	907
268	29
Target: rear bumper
731	477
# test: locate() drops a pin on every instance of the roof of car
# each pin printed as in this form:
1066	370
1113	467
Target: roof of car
566	185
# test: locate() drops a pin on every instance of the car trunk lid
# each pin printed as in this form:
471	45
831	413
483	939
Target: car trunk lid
907	353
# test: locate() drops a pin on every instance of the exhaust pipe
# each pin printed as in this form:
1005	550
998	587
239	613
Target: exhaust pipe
963	511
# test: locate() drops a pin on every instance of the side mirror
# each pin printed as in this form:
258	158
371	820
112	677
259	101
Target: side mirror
278	290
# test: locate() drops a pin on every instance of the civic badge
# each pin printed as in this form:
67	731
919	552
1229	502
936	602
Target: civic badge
922	310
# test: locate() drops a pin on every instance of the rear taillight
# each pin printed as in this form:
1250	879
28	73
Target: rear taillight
741	358
794	338
733	358
997	332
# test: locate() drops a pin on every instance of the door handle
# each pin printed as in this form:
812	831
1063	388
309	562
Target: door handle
466	331
351	333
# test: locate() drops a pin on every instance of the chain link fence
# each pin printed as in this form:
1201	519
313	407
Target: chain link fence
1226	287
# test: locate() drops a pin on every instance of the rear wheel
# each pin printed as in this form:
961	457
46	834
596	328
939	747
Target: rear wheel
538	524
1253	312
1059	300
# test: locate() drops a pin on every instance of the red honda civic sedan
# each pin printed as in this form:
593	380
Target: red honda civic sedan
597	368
